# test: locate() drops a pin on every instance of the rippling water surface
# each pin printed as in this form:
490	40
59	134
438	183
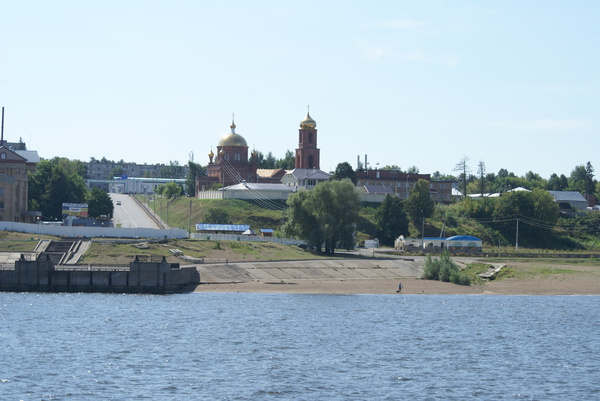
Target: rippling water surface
208	346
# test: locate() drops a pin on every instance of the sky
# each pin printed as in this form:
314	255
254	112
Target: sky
512	84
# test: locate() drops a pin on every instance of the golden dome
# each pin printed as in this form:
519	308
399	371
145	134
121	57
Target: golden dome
232	139
308	122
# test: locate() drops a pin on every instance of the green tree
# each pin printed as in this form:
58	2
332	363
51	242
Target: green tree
99	203
117	171
288	162
266	162
413	170
556	183
325	216
503	184
217	216
537	211
513	204
344	171
173	170
419	203
577	179
582	179
439	176
169	190
545	209
194	170
535	180
71	167
55	182
590	182
391	220
481	172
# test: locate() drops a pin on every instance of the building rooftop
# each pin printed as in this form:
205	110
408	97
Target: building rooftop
222	227
252	186
567	196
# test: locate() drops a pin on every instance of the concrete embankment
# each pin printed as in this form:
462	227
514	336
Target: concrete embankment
322	269
139	277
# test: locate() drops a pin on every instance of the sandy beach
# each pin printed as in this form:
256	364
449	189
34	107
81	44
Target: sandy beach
382	277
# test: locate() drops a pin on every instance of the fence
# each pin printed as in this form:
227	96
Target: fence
242	237
108	232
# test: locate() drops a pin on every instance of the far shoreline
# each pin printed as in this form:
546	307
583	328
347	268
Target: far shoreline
382	276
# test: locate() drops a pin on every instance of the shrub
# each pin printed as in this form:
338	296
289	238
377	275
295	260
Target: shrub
460	278
445	273
444	269
431	270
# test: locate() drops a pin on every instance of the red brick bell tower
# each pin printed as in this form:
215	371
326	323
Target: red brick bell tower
307	154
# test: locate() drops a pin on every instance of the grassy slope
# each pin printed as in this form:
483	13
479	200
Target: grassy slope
20	242
104	252
240	212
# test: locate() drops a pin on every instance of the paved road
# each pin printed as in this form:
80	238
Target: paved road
129	214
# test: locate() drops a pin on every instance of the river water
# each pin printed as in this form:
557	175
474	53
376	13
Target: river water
234	346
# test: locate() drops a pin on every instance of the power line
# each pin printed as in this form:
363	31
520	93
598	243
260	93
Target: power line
235	176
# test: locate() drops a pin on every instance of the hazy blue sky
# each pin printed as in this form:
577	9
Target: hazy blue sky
515	84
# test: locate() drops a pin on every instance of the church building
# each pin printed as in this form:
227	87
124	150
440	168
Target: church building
230	165
308	158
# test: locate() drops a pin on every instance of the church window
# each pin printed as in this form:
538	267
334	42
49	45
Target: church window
311	162
300	137
310	137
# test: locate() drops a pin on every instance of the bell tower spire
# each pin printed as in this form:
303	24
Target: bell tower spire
307	154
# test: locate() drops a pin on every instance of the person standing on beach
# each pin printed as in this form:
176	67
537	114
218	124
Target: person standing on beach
399	287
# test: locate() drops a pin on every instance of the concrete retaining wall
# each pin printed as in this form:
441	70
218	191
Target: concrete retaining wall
141	277
241	237
107	232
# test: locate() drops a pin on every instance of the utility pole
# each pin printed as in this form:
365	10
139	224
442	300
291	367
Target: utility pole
190	220
423	232
517	240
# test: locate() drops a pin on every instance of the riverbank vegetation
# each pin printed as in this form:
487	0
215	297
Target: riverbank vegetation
444	269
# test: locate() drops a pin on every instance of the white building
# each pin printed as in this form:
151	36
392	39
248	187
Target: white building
304	178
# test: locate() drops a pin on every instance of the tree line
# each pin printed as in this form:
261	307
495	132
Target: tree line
581	179
329	216
60	180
